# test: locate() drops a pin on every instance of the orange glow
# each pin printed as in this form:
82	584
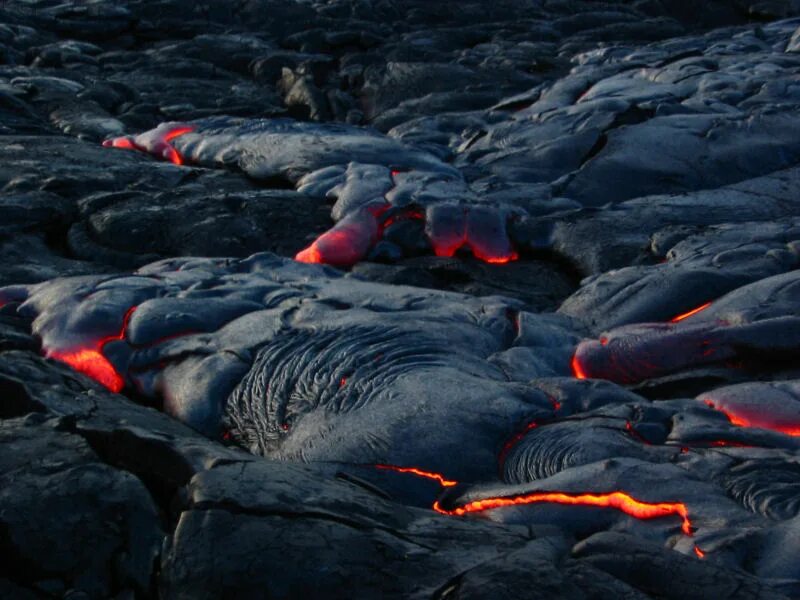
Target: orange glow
95	365
409	215
443	251
120	142
170	153
686	315
619	500
498	260
173	155
513	441
743	421
700	553
420	473
309	255
577	369
178	131
729	444
91	362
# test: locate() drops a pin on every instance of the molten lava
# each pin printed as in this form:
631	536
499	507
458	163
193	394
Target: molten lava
350	239
91	361
513	441
754	420
619	500
160	146
170	152
690	313
310	255
577	369
498	260
420	473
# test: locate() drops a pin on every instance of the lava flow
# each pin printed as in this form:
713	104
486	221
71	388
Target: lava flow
91	361
170	152
690	313
577	369
619	500
754	420
350	239
513	441
420	473
160	146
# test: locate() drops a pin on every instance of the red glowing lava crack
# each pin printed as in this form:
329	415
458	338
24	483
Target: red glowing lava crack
690	313
740	419
91	362
419	473
159	146
618	500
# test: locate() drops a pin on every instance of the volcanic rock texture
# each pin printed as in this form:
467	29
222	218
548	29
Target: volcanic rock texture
400	299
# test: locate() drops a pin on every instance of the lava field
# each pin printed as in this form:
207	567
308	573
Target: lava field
400	299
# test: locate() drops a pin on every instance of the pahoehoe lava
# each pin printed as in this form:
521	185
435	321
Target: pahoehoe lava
400	299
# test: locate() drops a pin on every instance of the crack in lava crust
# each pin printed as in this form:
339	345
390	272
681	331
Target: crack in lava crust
420	473
739	419
158	142
690	313
92	362
619	500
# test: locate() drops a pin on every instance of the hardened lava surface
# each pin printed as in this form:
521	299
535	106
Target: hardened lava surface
400	299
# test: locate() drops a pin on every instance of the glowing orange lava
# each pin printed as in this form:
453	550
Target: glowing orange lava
95	365
414	471
513	441
743	421
619	500
692	312
498	260
700	553
577	369
170	152
122	143
178	131
92	362
309	255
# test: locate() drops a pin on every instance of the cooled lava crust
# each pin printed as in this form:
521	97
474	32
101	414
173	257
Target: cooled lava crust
400	299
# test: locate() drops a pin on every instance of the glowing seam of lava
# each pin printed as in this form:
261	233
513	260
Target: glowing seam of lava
577	369
690	313
310	254
513	441
173	155
497	260
91	362
168	152
740	421
414	471
619	500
